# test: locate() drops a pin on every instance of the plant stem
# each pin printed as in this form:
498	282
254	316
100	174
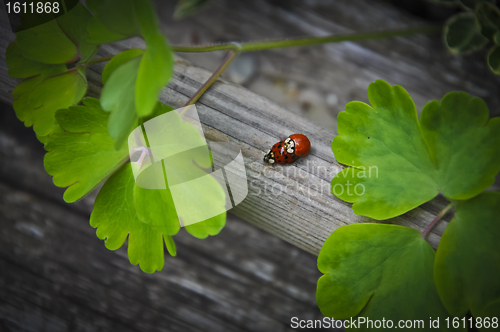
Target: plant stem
434	222
103	59
257	46
230	56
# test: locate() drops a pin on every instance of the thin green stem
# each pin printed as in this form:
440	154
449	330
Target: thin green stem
257	46
230	56
435	221
103	59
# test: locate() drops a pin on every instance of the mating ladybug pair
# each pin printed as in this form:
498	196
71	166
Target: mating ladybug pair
287	151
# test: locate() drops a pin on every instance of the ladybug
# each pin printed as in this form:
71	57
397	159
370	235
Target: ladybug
288	150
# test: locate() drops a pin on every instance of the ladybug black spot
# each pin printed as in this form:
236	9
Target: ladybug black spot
368	137
279	146
286	157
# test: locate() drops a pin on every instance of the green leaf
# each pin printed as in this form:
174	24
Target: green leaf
115	217
118	98
188	7
467	266
184	158
38	99
74	25
494	59
378	271
488	16
98	33
471	4
83	156
118	60
47	43
400	162
209	227
462	34
157	62
20	67
113	19
60	40
156	208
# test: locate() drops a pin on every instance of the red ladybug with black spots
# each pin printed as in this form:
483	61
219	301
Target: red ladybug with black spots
288	150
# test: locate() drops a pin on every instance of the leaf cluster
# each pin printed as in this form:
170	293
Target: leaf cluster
398	161
85	137
472	30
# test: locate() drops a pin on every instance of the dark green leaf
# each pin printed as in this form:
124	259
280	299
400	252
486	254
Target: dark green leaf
488	16
462	34
467	267
83	156
20	67
188	7
117	97
494	59
378	271
47	43
115	218
117	16
400	163
60	40
471	4
98	33
74	25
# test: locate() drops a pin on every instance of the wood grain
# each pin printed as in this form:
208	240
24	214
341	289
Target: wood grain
292	202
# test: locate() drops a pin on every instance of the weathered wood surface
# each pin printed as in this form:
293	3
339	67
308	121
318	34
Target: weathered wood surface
56	275
295	202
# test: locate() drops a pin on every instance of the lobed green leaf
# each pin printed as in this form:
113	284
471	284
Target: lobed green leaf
115	218
494	59
488	16
378	271
462	34
118	97
399	162
467	266
83	156
37	99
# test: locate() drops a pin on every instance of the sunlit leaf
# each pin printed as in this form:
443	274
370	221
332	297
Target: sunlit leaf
467	267
38	99
400	162
84	155
118	60
115	218
380	272
157	62
118	98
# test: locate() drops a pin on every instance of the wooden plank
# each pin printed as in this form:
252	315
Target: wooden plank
57	276
301	210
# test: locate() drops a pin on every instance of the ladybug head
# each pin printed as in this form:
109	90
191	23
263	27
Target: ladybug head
269	157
